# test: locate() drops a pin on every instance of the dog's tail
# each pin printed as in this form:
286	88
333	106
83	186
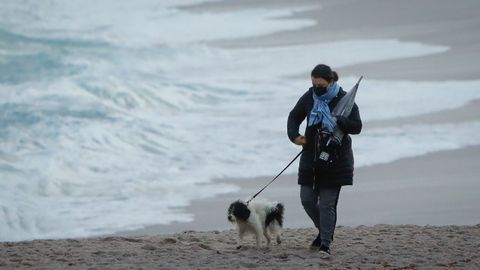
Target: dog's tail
276	214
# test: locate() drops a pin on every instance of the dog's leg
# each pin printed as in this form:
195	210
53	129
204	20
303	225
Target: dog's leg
258	237
241	232
276	230
279	240
265	232
258	232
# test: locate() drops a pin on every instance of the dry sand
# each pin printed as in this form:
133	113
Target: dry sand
377	247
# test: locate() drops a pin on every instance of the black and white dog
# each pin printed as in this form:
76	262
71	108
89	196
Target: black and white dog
259	217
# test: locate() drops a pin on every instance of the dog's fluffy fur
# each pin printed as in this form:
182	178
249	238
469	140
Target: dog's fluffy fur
259	217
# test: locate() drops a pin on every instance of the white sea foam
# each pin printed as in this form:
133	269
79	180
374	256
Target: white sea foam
382	145
389	99
142	23
115	122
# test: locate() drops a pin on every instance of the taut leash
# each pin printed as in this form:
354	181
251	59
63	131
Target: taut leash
275	178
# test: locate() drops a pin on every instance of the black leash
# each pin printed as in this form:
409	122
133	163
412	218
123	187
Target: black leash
275	177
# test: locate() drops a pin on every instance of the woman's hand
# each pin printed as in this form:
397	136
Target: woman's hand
300	140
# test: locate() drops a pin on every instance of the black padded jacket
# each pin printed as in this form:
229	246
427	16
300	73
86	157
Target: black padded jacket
341	171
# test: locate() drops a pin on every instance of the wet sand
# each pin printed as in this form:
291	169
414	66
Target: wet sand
439	22
435	189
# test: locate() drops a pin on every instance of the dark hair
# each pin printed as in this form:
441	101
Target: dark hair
335	76
325	72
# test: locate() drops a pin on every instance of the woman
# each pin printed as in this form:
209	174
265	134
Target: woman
323	169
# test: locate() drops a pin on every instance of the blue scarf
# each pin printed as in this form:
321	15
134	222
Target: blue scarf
320	111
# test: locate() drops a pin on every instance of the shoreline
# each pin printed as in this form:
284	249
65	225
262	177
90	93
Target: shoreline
378	188
413	24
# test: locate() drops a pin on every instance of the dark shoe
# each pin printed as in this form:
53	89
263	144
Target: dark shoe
317	242
324	252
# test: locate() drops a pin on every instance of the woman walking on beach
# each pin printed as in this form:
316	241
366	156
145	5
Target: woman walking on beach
324	167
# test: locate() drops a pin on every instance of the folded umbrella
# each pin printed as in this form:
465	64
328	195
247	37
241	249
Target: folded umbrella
343	108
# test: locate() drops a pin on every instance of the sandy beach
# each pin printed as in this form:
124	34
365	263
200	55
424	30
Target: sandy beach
377	247
414	213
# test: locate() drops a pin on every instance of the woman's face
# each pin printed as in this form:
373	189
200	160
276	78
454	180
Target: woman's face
320	82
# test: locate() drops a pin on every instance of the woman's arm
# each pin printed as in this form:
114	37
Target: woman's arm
351	124
296	117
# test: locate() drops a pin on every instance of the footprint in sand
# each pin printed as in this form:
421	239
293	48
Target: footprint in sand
131	240
205	246
169	241
149	247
